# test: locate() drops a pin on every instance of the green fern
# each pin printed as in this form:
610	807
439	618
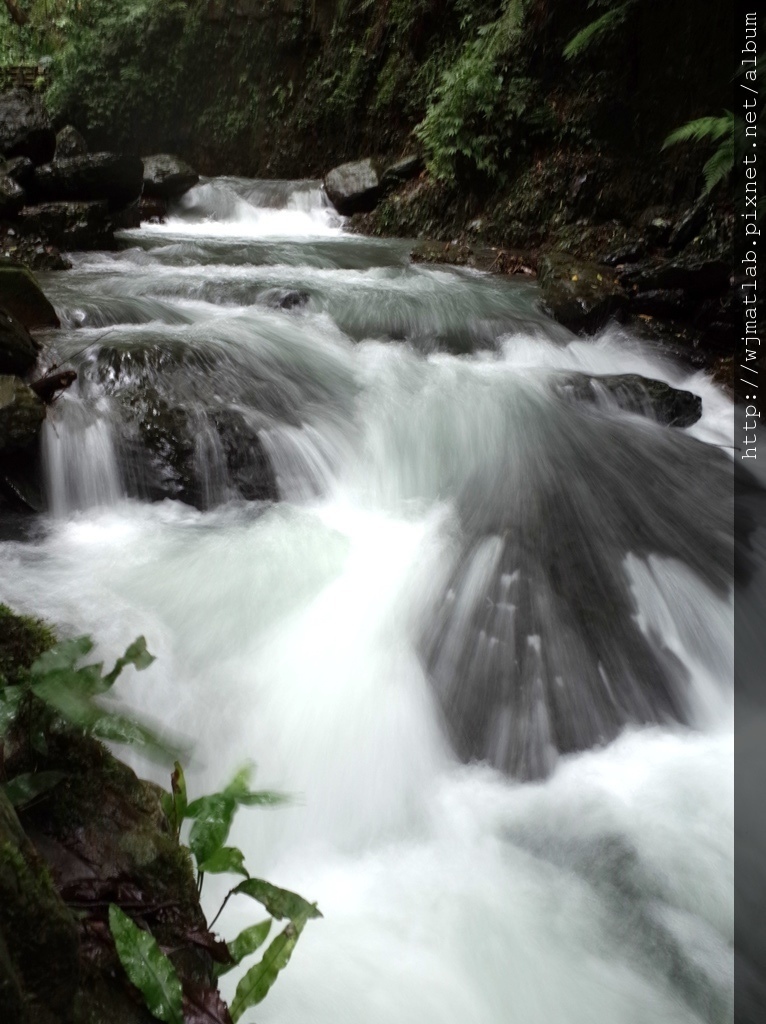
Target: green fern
608	21
710	129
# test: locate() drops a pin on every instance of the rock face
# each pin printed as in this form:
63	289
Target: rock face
117	179
20	169
11	198
69	142
73	225
100	836
22	297
580	294
21	415
633	393
39	957
18	352
167	177
25	129
354	187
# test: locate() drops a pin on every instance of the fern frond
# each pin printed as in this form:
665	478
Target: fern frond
719	166
712	128
596	29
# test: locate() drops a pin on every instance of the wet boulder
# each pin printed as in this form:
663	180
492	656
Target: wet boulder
92	176
11	198
69	142
580	294
634	393
21	415
71	225
152	209
18	352
354	187
25	128
167	177
22	297
20	169
397	173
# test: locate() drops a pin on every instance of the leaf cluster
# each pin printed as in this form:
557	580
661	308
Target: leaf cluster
210	819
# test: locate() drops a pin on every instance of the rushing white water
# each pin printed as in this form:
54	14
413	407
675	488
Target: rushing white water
464	562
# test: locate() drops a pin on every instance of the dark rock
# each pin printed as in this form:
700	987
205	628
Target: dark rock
69	142
11	198
406	169
25	128
18	352
21	415
688	226
694	274
580	294
656	225
22	297
152	209
117	179
72	225
628	254
633	393
167	177
20	169
671	303
285	298
39	971
354	187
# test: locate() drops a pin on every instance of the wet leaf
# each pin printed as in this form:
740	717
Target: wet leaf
255	985
239	789
136	655
246	942
228	858
25	788
280	903
63	656
10	699
212	821
147	967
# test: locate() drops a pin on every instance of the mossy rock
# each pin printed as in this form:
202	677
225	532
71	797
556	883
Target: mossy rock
22	297
580	294
40	932
18	352
21	415
22	641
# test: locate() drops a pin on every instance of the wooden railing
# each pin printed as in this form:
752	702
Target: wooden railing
25	76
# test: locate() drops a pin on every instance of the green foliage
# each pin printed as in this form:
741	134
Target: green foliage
710	129
471	125
596	30
147	967
57	691
255	985
211	818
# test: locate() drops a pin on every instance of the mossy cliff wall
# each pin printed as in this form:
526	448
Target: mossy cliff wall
291	87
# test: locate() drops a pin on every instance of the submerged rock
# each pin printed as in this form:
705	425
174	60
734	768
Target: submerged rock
117	179
167	176
635	393
22	297
580	294
354	187
25	128
285	298
69	142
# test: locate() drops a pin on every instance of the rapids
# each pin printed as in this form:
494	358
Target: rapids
484	636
